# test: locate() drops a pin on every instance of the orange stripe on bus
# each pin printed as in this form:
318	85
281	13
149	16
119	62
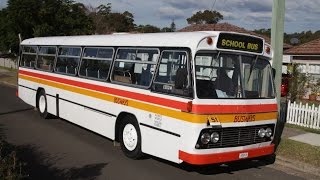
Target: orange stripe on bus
184	116
196	108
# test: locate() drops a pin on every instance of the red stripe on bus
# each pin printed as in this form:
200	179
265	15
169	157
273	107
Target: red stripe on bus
254	108
151	99
196	108
202	159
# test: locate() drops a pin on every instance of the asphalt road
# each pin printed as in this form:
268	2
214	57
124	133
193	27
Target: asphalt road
56	149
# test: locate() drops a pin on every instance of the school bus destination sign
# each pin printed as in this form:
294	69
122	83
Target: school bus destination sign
240	42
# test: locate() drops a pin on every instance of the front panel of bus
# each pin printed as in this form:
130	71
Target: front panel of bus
234	98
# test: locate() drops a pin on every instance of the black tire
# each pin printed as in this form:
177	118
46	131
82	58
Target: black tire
42	104
133	152
269	159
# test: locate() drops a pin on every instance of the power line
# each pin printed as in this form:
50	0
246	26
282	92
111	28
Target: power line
213	5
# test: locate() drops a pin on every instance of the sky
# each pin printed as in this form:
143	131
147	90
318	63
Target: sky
300	15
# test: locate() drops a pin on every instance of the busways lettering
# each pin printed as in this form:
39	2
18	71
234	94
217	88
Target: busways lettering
121	101
245	118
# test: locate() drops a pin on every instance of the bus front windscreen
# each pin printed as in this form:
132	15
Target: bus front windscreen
229	76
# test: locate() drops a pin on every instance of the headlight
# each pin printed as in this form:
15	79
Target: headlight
205	138
261	132
215	137
268	132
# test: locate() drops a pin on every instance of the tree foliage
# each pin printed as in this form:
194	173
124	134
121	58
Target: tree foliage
205	17
34	18
147	29
303	37
106	21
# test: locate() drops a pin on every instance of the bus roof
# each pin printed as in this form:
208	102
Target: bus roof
176	39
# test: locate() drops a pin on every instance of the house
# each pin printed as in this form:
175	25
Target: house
307	55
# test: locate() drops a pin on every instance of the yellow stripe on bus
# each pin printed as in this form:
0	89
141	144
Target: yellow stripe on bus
184	116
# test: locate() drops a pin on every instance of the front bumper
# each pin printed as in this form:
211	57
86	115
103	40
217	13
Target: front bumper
202	159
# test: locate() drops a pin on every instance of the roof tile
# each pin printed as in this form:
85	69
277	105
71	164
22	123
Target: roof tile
309	48
226	27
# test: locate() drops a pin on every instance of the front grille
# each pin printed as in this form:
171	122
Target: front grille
236	136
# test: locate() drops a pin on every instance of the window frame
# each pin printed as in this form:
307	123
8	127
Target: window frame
91	58
135	61
54	61
29	53
189	71
57	57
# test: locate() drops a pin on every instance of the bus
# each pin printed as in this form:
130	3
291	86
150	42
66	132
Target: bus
194	97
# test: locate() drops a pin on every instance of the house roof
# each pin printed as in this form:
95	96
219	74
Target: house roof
309	48
226	27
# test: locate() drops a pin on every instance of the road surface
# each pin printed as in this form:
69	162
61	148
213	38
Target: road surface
56	149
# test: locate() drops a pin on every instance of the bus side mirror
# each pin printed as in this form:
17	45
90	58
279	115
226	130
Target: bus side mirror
273	73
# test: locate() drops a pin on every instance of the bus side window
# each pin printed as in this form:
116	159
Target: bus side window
29	56
96	63
68	60
172	76
46	58
135	66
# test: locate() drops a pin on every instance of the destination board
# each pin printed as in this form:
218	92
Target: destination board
240	42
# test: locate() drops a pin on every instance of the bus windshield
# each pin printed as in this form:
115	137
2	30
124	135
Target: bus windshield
230	76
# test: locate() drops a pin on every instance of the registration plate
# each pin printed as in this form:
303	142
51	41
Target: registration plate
243	155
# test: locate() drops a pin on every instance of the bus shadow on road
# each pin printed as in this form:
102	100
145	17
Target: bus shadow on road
16	111
227	168
40	166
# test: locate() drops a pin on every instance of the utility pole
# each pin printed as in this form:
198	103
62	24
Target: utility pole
277	31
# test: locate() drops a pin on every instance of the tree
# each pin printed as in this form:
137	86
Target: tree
106	21
205	17
173	26
33	18
147	29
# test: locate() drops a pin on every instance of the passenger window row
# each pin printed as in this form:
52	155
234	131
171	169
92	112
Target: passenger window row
135	66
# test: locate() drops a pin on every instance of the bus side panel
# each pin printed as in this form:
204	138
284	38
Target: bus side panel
159	144
51	105
27	92
83	111
161	136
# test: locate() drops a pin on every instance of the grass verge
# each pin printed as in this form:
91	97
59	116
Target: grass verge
9	69
299	152
303	128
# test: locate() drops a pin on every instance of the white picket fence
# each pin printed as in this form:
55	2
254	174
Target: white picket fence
303	115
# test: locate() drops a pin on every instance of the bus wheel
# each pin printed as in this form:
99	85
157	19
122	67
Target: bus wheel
42	104
130	138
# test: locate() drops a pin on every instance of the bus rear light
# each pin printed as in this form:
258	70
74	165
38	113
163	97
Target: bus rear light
268	50
209	40
17	93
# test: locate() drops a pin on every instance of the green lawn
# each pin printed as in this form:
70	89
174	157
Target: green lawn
298	151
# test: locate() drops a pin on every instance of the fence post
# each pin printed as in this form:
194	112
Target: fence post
288	112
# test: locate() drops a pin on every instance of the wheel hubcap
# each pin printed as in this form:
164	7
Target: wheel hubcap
130	137
42	104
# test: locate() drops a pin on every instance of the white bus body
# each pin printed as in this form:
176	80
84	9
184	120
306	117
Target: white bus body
98	82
